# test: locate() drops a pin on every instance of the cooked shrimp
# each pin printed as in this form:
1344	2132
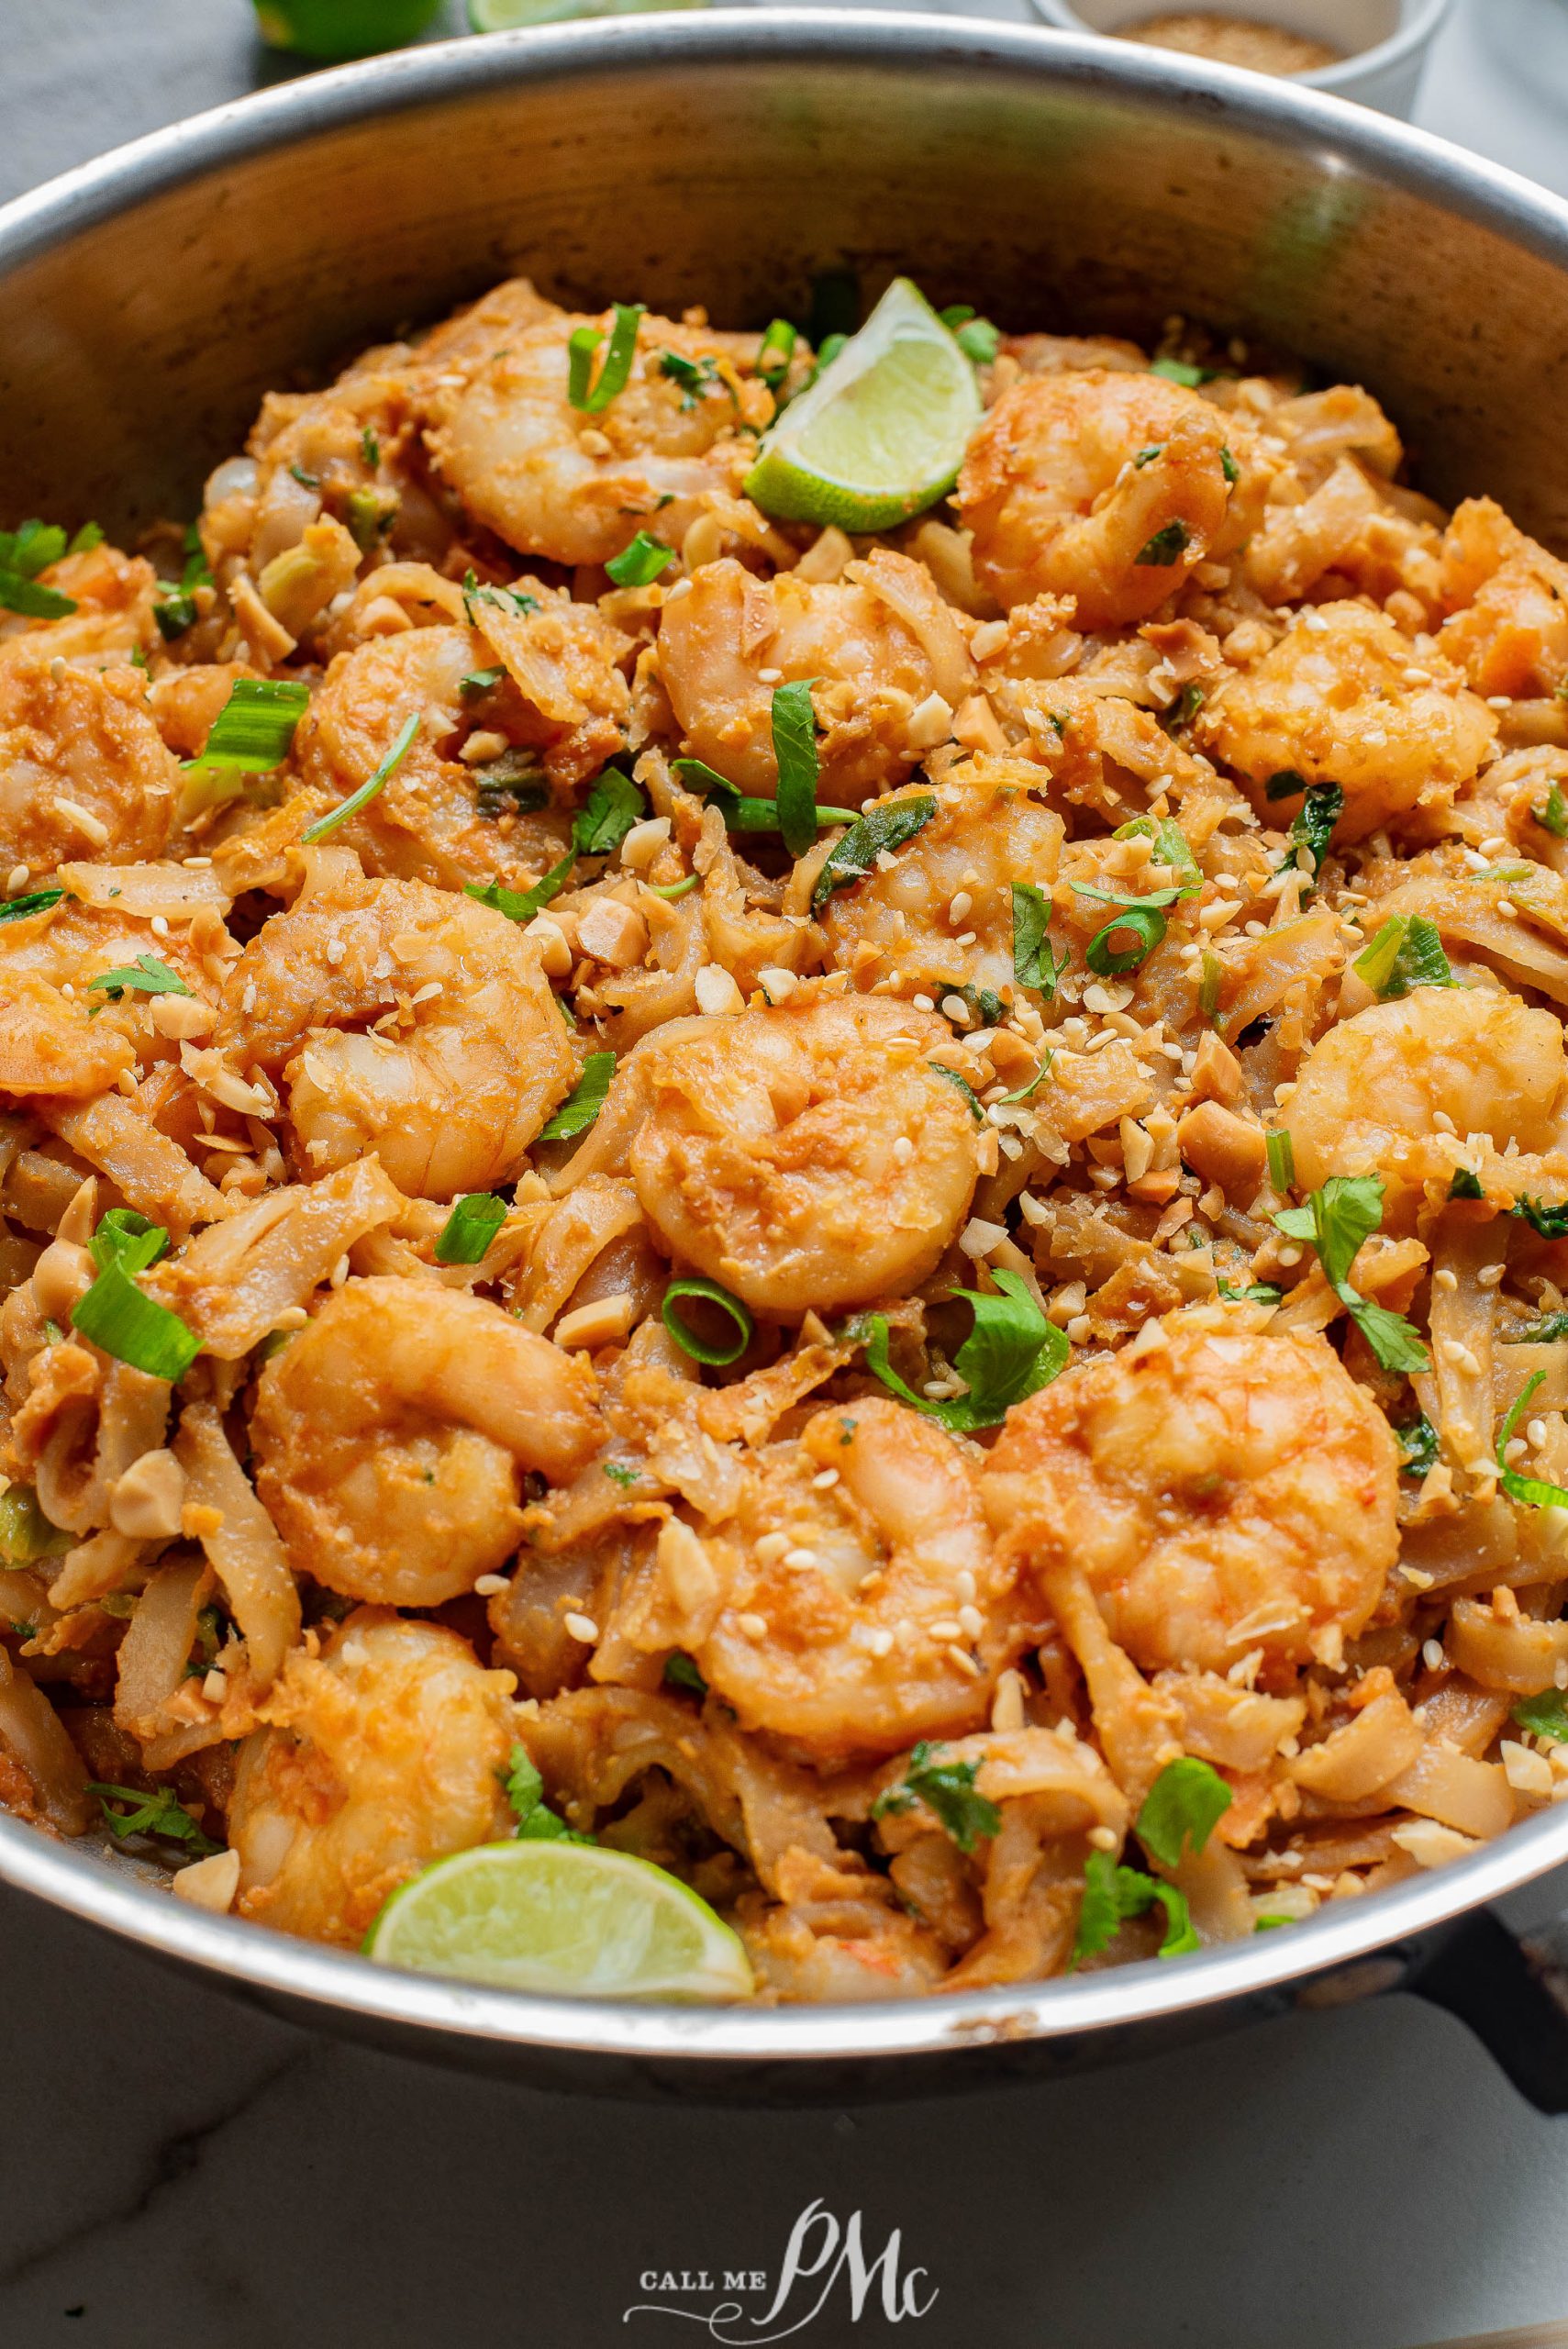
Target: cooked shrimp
114	594
431	821
854	1619
555	481
885	656
809	1156
379	1754
83	771
1222	1490
1106	487
940	915
391	1432
1343	698
1372	1092
1505	595
406	1020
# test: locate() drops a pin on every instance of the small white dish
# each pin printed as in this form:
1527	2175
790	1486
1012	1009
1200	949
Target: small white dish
1384	41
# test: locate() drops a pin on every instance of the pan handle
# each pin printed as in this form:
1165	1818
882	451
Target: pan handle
1511	1989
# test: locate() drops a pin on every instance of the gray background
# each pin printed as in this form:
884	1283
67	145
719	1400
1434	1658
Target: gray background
175	2168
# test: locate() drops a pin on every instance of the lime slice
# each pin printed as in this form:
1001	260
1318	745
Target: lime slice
504	15
882	432
336	29
568	1918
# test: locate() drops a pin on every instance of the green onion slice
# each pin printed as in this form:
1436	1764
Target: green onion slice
324	825
577	1113
37	902
700	1350
253	731
639	564
776	352
1281	1160
124	1321
468	1231
583	391
1147	926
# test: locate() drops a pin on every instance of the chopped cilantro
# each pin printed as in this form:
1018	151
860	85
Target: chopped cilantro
947	1789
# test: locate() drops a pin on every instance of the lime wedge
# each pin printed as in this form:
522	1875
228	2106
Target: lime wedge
504	15
881	433
573	1919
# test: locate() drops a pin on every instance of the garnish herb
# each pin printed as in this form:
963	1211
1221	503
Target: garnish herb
1181	1807
37	902
577	1113
1544	1333
776	352
1182	371
536	1823
1143	918
1418	1442
742	814
1549	1222
1281	1160
500	599
1551	813
1166	547
1336	1221
121	1319
1012	1351
370	447
1229	468
1112	1893
795	747
175	611
159	1812
639	564
26	1533
479	681
1184	710
883	829
1533	1491
947	1789
1034	957
1172	846
1544	1716
1407	952
977	338
593	397
1147	456
147	977
24	553
325	825
614	805
619	1474
695	376
1284	784
253	731
1211	978
960	1085
1315	819
1465	1184
703	1349
466	1235
1253	1293
680	1672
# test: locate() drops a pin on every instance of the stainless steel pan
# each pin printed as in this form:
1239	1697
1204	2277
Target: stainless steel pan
148	300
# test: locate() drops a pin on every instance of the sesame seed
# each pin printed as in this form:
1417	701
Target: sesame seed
963	1662
1537	1433
491	1586
923	1003
771	1548
1490	1275
959	906
753	1626
1444	1279
801	1560
955	1008
972	1621
1499	701
584	1627
881	1643
903	1150
946	1630
16	880
1432	1654
826	1481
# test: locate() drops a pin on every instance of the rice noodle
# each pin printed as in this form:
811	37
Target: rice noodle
34	1736
237	1278
243	1545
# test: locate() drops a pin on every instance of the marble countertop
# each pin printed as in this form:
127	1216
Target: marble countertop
177	2167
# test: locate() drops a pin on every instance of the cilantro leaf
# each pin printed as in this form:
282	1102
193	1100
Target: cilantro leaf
615	805
1544	1333
1184	1806
1336	1221
159	1812
1465	1184
879	832
1418	1444
947	1789
1112	1893
1313	826
1550	1222
1166	547
1011	1351
525	1791
147	976
1034	958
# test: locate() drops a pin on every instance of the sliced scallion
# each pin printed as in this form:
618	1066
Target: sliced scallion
639	564
716	1357
466	1235
591	396
325	825
253	731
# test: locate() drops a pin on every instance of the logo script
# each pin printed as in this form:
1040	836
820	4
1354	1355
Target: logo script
820	2256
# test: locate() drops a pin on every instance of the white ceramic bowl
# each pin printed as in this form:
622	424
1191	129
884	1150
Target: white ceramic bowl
1384	41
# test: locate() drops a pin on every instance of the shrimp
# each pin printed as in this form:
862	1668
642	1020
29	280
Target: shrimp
378	1757
390	1434
807	1157
84	770
402	1019
885	656
1508	628
855	1617
942	913
1342	699
1223	1490
1372	1090
113	595
1106	486
555	481
431	821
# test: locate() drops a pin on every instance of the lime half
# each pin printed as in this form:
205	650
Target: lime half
504	15
882	432
573	1919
